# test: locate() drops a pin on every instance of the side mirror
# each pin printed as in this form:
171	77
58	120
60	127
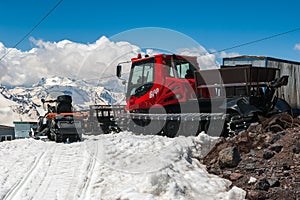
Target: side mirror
119	71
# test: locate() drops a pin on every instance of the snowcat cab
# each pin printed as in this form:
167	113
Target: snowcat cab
60	123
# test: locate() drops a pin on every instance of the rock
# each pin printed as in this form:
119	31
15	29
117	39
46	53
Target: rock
229	157
282	132
286	173
252	152
212	161
296	149
252	134
275	128
255	195
252	127
226	174
268	154
286	166
276	147
262	184
243	137
275	138
274	182
260	171
250	166
252	180
235	176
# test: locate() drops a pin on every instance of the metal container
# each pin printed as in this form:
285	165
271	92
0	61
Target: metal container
291	92
23	129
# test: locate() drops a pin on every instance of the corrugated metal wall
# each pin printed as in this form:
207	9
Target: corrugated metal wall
291	92
256	63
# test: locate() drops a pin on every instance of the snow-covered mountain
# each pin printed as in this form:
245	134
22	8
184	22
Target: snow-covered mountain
24	103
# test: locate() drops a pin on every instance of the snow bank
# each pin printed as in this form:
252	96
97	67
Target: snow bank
154	167
115	166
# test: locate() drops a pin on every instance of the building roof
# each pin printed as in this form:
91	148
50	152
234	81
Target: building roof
3	127
245	57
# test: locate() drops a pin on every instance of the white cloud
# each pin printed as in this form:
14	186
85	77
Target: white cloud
224	54
75	60
64	58
205	60
297	47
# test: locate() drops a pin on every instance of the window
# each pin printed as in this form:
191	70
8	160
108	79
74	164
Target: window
141	79
142	74
5	138
182	69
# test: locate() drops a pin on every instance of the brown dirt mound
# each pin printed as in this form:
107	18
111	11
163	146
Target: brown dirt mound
263	160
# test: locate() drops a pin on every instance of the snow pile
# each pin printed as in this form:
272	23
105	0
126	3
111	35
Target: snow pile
120	166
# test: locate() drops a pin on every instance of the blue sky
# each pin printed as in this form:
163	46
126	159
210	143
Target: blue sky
213	24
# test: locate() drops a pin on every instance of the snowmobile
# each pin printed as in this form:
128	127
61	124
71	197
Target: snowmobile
60	123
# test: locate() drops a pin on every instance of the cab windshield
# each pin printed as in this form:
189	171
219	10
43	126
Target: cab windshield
141	78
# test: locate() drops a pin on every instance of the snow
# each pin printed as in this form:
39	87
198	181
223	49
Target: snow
113	166
6	113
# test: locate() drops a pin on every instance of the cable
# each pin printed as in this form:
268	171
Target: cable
255	41
25	36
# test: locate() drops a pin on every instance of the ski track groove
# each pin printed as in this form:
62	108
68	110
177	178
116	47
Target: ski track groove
90	168
19	186
71	183
55	173
62	173
42	190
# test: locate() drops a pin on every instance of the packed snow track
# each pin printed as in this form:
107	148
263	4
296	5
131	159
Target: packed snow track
116	166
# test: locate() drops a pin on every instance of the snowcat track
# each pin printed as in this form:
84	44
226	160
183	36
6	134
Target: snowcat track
112	118
170	125
180	116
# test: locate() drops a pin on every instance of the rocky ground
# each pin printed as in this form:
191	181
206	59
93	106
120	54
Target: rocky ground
263	160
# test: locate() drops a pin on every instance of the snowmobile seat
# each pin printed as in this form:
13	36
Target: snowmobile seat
64	104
